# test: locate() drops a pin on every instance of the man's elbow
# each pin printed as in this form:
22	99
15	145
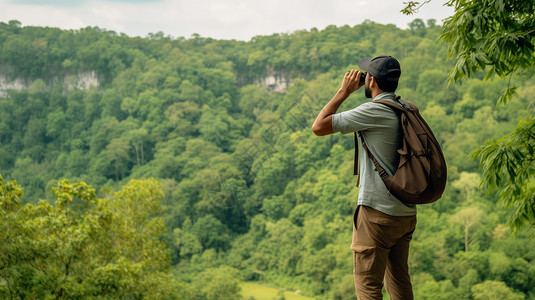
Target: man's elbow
319	131
316	129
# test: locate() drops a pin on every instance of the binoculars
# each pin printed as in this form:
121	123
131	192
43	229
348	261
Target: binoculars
362	78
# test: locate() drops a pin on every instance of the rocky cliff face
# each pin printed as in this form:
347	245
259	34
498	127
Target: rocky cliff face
5	84
81	80
274	81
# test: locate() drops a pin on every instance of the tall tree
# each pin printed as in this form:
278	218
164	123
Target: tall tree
498	38
467	218
84	247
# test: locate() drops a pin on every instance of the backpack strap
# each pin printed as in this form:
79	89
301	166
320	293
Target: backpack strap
382	173
402	104
356	161
377	165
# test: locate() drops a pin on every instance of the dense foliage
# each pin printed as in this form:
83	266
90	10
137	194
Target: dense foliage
247	191
498	37
82	246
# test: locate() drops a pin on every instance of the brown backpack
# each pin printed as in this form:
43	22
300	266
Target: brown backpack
421	174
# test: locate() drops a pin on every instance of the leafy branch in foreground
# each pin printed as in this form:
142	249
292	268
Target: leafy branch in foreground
412	7
496	37
508	167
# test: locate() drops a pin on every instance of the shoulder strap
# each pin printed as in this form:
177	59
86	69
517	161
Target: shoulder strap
378	166
356	164
397	108
356	161
403	105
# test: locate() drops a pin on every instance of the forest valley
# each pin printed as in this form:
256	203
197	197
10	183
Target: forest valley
181	168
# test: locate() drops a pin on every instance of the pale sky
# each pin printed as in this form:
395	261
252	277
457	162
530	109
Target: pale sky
219	19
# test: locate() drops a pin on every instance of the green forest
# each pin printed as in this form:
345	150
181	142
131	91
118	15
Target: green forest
185	168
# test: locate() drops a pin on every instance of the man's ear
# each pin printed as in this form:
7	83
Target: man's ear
372	82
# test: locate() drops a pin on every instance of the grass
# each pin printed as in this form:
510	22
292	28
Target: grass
263	292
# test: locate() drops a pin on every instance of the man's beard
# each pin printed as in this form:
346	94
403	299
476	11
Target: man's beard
367	91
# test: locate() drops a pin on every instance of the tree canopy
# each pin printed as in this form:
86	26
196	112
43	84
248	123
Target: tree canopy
181	167
498	38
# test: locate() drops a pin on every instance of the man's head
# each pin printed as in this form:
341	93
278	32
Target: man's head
384	69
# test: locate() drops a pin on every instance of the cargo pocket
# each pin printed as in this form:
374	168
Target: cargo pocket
364	259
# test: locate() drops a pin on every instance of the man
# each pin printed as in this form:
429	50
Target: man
382	225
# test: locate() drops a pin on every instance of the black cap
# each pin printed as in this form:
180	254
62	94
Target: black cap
384	67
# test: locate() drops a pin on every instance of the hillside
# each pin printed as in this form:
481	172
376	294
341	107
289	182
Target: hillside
248	192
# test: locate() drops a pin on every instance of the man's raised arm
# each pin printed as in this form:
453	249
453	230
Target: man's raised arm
324	122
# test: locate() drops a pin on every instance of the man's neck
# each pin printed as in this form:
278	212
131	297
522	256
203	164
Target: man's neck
385	96
376	93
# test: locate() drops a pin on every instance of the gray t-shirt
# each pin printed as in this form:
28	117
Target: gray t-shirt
380	128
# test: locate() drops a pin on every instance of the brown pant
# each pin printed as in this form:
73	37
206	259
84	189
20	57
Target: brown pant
381	251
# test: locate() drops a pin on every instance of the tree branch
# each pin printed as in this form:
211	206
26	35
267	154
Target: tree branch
412	7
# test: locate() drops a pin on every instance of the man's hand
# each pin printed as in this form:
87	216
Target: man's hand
323	124
351	82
